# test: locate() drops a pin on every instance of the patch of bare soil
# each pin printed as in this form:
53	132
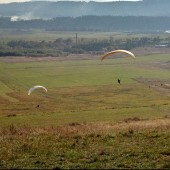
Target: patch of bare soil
160	85
48	58
141	51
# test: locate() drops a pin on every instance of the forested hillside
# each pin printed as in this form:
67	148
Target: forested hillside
92	23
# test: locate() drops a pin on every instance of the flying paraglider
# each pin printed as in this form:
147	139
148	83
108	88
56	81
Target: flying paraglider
34	88
117	51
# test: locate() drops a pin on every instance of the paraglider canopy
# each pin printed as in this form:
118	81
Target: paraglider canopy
117	51
35	87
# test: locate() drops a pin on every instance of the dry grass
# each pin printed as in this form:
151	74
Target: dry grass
130	144
49	58
82	129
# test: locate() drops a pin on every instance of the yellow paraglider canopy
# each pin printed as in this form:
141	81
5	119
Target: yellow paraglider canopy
117	51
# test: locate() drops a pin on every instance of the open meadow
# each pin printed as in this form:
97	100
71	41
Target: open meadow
85	119
44	35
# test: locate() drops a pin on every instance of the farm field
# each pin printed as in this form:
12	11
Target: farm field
43	35
86	119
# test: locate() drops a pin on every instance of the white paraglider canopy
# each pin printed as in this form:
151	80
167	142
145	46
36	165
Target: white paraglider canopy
36	87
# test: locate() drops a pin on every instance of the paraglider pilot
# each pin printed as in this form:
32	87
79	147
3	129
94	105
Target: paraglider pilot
118	80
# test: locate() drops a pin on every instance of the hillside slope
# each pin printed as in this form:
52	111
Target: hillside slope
40	9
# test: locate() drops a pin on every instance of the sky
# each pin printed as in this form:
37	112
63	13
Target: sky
9	1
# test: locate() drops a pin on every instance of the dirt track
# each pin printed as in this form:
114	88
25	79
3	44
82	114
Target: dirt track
49	58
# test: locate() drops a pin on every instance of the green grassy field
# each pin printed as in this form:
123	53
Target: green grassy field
84	90
61	133
42	35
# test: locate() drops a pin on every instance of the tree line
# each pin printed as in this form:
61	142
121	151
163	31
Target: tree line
61	47
92	23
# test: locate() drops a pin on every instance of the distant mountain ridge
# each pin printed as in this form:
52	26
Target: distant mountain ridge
47	10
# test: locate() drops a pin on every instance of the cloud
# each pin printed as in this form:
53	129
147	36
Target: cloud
9	1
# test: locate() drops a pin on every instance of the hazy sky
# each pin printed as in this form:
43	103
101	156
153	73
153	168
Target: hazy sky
8	1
